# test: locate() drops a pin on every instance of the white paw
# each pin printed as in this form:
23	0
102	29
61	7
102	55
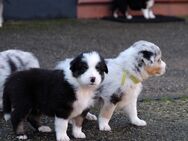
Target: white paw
152	17
139	122
44	129
1	25
79	135
115	15
63	137
104	127
22	137
7	117
129	17
90	116
146	17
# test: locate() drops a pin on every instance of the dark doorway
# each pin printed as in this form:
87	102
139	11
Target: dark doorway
39	9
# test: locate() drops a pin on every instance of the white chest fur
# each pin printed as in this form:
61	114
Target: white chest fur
84	100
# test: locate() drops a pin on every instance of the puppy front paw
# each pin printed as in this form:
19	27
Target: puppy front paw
90	116
79	135
139	122
152	16
104	127
44	129
22	137
63	137
115	15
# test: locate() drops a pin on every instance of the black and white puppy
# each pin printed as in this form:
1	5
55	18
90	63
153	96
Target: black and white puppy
122	6
1	13
65	94
12	61
123	83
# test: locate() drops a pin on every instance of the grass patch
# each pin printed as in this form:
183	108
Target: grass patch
164	99
38	24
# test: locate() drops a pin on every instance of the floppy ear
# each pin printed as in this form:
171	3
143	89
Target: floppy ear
75	65
147	57
104	66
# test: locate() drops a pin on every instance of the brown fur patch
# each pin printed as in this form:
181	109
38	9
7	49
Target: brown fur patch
78	121
20	128
153	70
107	111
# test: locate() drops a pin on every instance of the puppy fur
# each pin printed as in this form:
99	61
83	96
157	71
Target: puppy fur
65	94
122	6
123	84
14	60
1	13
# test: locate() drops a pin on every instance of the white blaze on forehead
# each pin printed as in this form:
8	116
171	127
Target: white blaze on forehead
91	58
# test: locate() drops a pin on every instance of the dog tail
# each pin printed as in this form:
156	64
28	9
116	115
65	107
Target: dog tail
6	106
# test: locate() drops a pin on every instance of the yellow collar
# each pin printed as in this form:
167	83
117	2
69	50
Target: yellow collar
134	79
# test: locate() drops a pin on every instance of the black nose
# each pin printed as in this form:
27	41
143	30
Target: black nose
92	79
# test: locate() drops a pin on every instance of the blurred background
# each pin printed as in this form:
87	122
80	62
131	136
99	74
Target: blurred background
29	9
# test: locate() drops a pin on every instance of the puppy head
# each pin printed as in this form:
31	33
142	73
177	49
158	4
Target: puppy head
89	68
149	58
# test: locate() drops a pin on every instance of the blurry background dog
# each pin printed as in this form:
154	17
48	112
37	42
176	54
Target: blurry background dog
65	93
14	60
123	83
122	6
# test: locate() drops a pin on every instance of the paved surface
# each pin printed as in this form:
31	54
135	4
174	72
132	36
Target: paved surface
167	121
55	40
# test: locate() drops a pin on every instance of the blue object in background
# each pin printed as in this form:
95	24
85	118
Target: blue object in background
39	9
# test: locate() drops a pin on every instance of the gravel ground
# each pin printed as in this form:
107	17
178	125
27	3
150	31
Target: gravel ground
166	121
52	41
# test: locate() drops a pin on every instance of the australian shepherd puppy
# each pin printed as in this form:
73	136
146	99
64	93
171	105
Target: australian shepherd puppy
1	13
123	83
12	61
121	6
65	94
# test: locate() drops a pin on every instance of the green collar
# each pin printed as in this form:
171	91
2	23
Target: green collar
134	79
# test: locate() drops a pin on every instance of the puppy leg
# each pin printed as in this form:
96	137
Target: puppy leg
61	126
1	103
1	13
77	127
105	116
131	110
151	14
77	124
17	118
34	120
128	16
115	14
145	13
20	131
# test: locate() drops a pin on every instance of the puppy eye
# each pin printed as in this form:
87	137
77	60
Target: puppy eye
97	67
84	67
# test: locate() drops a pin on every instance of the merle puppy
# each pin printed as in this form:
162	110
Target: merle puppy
123	83
14	60
122	6
65	94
